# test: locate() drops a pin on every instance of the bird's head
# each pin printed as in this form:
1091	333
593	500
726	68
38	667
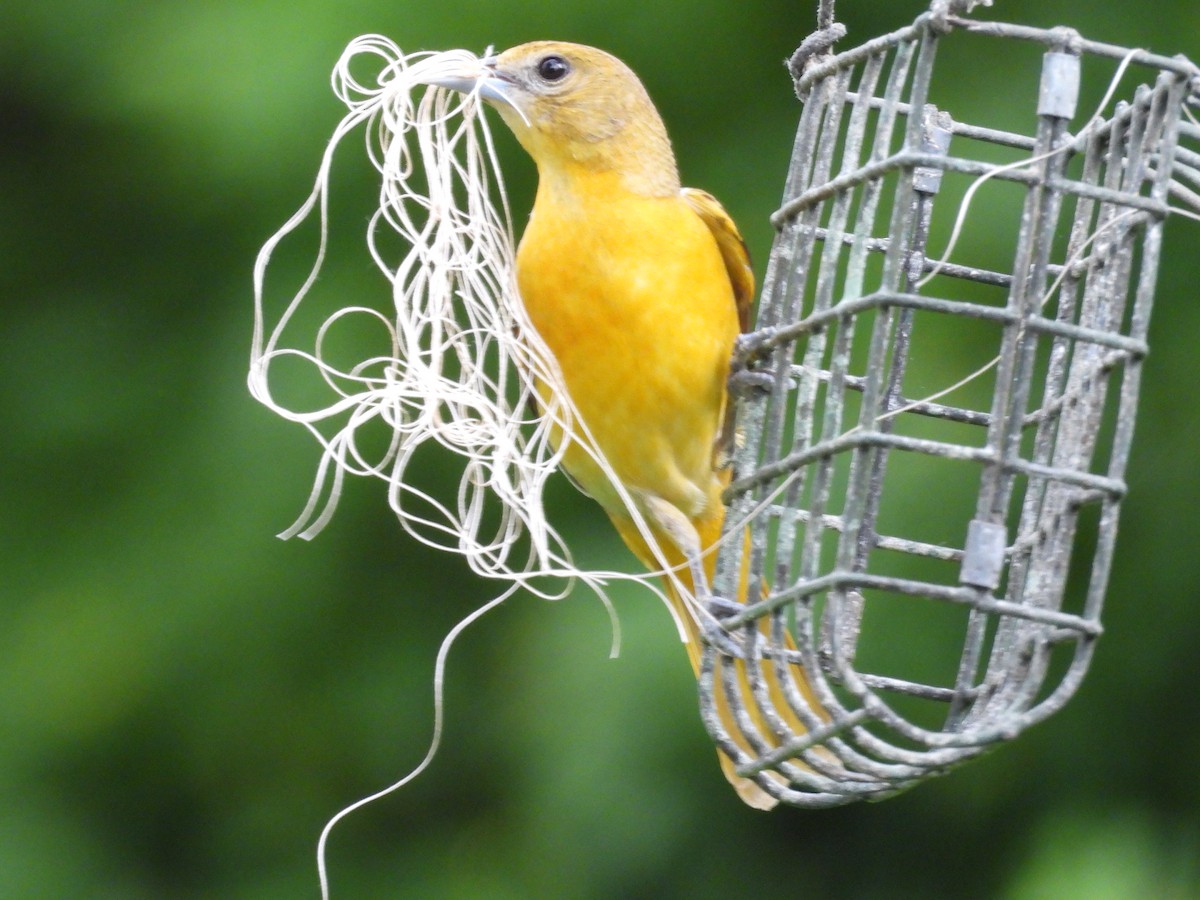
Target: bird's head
576	108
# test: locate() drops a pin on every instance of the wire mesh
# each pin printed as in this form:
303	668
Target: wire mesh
935	441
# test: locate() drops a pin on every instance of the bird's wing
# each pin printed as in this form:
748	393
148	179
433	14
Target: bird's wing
741	279
733	249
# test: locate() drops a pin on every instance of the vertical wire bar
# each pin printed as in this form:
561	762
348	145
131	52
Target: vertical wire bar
827	98
856	507
832	262
914	256
769	411
839	362
843	614
1104	309
833	90
840	359
1139	325
750	423
897	77
1074	399
752	407
1028	280
1025	538
807	381
1084	403
1060	354
807	387
832	93
832	253
1013	377
1174	91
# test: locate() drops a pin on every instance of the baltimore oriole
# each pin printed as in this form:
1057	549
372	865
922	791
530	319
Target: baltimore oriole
639	287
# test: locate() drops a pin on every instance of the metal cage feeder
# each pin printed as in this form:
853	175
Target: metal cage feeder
935	441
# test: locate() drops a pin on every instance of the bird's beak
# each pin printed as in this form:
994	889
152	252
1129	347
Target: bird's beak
479	76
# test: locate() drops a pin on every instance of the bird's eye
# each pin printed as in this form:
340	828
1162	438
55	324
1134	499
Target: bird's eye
553	68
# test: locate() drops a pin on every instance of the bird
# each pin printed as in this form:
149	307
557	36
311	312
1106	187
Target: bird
639	287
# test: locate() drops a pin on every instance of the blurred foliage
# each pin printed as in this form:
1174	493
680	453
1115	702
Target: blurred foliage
185	700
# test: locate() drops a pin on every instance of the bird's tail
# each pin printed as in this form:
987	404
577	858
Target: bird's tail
750	792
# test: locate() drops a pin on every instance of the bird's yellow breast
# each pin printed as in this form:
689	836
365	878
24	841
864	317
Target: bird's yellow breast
633	299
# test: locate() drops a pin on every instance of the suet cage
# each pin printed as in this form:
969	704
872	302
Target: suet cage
937	402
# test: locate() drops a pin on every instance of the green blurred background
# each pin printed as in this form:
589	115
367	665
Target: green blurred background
185	700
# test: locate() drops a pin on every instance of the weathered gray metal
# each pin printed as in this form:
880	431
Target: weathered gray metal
830	407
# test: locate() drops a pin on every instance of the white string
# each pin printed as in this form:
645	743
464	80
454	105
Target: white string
462	360
1094	121
964	207
434	744
1186	213
457	362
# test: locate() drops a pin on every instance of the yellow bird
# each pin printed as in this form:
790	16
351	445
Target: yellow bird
639	287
